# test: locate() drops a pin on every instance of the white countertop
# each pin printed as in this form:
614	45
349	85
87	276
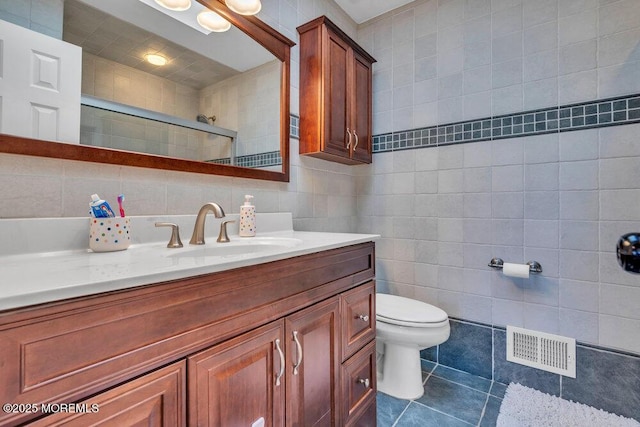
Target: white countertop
38	277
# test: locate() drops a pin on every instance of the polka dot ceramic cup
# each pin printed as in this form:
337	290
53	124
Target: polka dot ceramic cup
109	234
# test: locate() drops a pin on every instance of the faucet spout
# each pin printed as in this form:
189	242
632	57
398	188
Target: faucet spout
197	238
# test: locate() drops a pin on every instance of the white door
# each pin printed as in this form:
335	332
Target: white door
40	79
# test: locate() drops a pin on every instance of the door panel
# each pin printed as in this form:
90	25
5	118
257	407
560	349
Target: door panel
312	391
40	81
335	93
155	399
361	111
235	383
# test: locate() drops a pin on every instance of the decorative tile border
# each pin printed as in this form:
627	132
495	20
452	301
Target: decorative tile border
586	115
260	160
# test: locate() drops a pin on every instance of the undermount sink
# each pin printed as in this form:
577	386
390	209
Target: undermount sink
237	247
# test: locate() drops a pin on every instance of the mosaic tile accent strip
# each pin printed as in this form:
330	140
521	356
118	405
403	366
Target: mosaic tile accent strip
260	160
586	115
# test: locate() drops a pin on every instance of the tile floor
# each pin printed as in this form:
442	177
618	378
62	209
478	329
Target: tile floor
452	398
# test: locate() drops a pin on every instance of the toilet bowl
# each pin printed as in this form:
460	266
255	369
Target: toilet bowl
404	327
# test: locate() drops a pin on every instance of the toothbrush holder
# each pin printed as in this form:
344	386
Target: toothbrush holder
109	234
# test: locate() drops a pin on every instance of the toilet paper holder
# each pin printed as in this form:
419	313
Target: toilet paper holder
534	266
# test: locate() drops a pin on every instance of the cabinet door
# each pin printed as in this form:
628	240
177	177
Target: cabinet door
239	382
361	109
156	399
313	366
336	96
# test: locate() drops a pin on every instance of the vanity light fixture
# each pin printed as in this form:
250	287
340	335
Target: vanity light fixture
156	59
177	5
212	21
244	7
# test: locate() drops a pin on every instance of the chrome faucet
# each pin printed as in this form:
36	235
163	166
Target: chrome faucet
197	238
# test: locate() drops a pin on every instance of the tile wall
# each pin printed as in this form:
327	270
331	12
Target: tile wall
249	102
477	157
312	195
43	16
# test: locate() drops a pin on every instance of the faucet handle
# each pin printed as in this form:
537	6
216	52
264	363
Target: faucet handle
222	236
174	241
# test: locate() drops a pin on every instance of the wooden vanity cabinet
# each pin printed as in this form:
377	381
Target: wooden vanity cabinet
211	350
289	372
289	367
335	94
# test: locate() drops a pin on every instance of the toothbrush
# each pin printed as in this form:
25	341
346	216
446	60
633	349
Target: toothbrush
120	200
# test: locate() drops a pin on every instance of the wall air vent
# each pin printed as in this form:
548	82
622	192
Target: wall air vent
540	350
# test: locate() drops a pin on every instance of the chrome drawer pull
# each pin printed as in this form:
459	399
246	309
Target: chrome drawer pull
349	140
356	144
281	354
299	349
364	382
364	318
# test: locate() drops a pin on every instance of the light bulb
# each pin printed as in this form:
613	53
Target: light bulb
212	21
244	7
177	5
155	59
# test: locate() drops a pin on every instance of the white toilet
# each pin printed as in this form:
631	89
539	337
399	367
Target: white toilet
404	327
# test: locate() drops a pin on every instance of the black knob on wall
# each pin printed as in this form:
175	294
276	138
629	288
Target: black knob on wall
628	252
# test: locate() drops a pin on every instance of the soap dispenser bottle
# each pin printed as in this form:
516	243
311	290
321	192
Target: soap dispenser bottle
247	218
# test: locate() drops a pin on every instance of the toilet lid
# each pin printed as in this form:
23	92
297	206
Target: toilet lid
405	311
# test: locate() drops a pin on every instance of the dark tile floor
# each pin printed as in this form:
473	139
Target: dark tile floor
452	398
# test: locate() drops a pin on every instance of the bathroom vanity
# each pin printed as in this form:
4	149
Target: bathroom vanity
287	341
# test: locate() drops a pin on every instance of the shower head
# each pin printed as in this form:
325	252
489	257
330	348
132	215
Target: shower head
204	119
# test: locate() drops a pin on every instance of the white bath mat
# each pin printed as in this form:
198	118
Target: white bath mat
525	407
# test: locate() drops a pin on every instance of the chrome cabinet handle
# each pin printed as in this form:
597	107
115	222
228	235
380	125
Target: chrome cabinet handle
349	140
281	354
364	381
364	318
356	144
299	350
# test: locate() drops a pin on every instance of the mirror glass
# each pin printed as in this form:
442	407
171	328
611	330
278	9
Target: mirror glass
224	88
219	105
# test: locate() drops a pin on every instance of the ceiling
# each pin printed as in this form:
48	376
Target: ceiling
363	10
106	29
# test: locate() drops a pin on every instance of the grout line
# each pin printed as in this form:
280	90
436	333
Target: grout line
460	384
440	412
484	409
401	414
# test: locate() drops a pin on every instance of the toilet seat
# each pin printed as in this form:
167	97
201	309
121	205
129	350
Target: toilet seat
396	310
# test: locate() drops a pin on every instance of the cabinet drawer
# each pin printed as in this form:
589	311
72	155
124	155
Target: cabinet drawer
366	418
358	318
359	383
157	399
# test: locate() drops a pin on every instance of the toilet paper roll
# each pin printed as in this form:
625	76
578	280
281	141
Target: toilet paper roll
516	270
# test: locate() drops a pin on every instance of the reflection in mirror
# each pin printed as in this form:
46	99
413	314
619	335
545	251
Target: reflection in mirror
235	91
118	126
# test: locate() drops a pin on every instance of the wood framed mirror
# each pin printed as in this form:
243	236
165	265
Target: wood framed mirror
275	43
